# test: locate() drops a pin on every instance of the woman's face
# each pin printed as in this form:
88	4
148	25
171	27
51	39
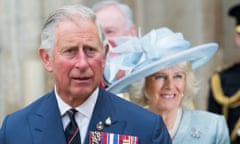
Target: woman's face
165	89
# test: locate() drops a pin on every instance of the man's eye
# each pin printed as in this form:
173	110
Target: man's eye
90	51
110	32
70	52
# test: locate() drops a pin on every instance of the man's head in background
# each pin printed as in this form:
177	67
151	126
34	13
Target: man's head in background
116	19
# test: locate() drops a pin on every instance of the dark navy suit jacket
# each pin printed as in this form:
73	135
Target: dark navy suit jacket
41	123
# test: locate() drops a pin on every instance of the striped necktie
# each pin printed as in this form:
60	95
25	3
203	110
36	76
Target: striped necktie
72	131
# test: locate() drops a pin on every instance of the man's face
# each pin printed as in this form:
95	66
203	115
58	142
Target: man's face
77	61
237	39
114	24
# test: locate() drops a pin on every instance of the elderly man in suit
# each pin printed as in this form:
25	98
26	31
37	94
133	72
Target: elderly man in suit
78	111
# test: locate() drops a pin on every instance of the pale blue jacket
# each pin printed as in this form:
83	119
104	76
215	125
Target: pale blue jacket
201	127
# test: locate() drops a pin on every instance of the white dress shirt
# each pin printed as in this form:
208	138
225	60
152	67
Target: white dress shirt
83	116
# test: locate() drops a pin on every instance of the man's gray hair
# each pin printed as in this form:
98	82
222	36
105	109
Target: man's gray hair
123	8
69	12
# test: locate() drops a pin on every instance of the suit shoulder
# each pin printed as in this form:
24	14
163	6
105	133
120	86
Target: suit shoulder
229	68
229	74
25	111
129	107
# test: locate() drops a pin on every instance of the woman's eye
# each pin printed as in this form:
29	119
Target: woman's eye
159	77
179	76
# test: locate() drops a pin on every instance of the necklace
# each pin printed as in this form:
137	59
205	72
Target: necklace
176	124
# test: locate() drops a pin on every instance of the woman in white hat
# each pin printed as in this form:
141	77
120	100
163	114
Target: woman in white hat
159	75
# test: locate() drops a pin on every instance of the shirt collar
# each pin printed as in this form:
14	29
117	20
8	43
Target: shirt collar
85	109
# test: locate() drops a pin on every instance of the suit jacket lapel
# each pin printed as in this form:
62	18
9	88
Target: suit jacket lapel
104	109
46	124
183	128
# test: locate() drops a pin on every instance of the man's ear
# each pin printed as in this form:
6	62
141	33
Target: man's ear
133	31
107	47
237	39
46	60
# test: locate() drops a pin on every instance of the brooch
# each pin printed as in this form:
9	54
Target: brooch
196	132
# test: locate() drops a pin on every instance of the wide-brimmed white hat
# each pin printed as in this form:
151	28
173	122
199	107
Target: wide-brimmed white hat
157	50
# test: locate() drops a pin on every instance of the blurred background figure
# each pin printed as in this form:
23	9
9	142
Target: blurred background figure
224	95
167	65
116	19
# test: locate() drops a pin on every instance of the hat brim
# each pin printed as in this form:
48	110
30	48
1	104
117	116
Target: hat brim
198	56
